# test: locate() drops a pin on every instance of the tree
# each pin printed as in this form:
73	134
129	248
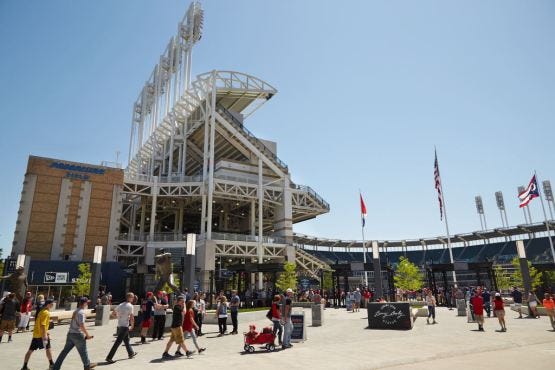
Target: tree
327	282
288	278
502	277
408	276
83	282
516	277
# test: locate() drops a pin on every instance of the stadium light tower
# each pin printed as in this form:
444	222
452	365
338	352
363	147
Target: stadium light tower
528	218
548	192
501	205
481	214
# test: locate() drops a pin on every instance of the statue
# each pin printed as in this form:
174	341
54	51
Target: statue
164	271
18	282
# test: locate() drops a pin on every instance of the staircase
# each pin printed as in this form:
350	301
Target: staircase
309	263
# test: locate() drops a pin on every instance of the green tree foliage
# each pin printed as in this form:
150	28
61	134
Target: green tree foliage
502	277
516	277
408	276
176	281
327	282
287	278
83	282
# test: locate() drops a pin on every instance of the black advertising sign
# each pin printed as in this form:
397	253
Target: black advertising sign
299	327
392	316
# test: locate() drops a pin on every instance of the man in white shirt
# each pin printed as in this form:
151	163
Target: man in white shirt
126	321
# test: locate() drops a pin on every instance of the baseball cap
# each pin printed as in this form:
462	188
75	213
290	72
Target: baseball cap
497	294
83	300
289	290
48	301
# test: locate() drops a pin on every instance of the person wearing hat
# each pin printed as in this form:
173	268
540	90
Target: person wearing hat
77	337
147	310
499	311
288	325
41	338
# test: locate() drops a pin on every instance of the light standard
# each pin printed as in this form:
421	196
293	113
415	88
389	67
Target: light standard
480	209
501	205
548	192
95	275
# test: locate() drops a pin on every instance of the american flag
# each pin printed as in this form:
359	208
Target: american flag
437	180
529	193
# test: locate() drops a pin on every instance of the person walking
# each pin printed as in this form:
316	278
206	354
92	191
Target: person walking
533	305
276	318
190	325
517	299
499	311
160	308
431	303
288	325
478	308
8	311
126	322
486	296
25	312
221	314
201	313
147	310
549	305
234	306
177	331
357	297
77	337
41	337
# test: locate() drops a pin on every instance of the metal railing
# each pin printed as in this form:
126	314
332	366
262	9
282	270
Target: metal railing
250	136
248	238
311	191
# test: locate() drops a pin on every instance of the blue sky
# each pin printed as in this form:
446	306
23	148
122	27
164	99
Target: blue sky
366	89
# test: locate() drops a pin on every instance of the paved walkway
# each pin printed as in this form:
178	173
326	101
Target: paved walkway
342	343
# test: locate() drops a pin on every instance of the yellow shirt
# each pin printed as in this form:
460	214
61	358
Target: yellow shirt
43	319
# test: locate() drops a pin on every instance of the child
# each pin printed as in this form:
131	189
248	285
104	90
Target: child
499	310
221	313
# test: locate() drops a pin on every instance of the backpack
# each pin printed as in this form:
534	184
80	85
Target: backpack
270	315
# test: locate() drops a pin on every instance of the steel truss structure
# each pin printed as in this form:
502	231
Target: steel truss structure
195	168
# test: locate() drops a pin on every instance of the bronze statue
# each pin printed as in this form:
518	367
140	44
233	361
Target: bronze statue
164	271
18	282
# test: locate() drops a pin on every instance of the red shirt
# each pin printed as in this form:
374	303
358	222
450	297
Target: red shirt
477	305
276	314
189	319
26	306
367	295
498	304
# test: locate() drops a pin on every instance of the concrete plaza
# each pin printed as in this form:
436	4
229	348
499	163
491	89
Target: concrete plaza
341	343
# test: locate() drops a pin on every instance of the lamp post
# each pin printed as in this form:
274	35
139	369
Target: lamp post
377	270
188	277
95	275
524	271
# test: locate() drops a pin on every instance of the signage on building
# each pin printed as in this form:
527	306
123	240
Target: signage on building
56	277
305	283
77	168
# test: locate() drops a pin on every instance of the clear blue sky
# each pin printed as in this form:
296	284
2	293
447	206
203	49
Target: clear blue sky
366	89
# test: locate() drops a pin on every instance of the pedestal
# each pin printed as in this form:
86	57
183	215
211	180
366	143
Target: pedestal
390	316
102	315
317	314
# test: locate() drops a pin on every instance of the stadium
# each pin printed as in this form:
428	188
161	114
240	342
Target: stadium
196	169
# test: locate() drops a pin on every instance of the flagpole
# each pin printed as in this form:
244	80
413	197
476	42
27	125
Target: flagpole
363	244
447	231
545	217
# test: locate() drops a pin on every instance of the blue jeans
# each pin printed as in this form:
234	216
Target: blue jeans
78	341
278	330
288	330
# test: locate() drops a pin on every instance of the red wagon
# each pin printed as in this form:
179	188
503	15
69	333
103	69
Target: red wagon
267	337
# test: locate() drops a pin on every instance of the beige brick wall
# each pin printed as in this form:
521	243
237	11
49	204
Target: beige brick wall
45	206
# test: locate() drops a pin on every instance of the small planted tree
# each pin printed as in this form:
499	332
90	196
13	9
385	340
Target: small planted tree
502	277
516	277
287	278
83	282
408	276
327	282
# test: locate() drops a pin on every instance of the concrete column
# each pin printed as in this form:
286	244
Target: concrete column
283	220
260	251
25	206
253	217
260	281
61	220
115	220
154	193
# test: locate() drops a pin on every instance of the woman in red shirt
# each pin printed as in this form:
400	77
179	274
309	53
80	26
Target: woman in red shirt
276	317
190	325
499	310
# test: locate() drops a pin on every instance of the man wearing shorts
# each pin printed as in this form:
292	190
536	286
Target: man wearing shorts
41	338
517	298
8	311
177	331
478	308
147	309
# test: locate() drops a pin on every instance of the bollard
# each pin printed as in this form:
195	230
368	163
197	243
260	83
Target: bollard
317	314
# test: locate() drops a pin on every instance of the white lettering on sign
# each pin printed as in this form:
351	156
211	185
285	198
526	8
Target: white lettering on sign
56	277
389	314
